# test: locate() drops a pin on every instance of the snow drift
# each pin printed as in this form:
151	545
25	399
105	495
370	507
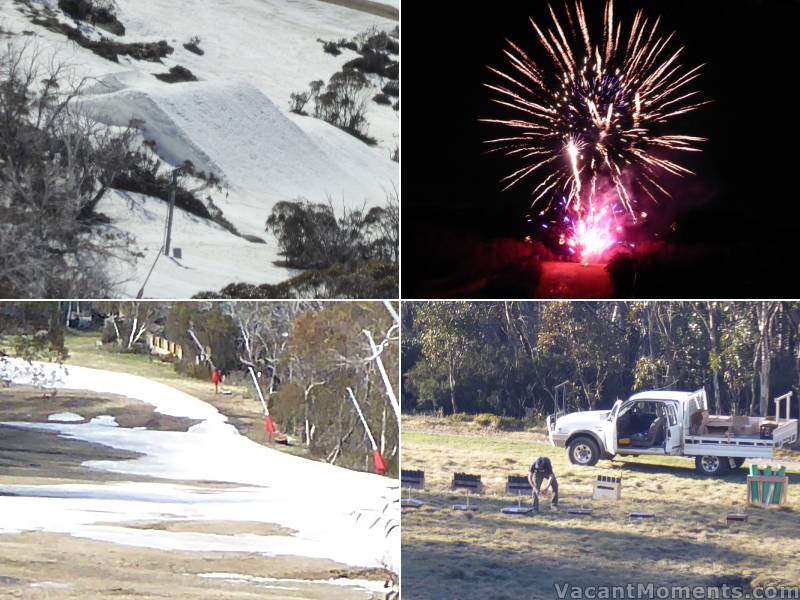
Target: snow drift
233	130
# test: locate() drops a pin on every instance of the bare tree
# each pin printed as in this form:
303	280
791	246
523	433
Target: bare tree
265	328
52	160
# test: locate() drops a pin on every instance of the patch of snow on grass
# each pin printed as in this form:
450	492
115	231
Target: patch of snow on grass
65	416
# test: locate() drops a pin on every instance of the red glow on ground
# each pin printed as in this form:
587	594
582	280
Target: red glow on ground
593	235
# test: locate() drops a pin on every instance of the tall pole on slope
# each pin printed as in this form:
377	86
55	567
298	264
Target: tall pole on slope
392	311
376	353
201	350
269	423
172	190
380	464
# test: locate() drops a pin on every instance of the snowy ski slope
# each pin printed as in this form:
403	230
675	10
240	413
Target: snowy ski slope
234	122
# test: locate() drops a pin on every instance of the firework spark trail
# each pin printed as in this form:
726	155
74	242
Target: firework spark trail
596	117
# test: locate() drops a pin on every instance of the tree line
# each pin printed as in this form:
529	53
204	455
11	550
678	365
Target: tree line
506	357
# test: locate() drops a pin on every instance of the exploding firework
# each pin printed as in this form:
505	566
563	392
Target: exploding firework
595	119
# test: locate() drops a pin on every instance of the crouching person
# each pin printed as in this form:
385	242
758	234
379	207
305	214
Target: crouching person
542	470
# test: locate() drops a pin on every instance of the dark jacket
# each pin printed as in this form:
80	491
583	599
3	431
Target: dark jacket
543	466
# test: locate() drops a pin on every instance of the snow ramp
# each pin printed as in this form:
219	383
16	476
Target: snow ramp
232	129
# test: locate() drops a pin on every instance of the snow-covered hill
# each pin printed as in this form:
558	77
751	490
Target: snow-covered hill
233	122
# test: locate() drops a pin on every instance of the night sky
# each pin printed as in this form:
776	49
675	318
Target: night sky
745	190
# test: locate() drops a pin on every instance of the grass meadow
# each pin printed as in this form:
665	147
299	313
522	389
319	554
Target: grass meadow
486	554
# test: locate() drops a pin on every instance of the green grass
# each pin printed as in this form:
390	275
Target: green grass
84	351
483	423
487	554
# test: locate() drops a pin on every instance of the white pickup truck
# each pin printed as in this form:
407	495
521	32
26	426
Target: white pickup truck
672	423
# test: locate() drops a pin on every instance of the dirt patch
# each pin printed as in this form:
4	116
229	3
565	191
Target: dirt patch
20	403
28	455
373	8
73	568
214	527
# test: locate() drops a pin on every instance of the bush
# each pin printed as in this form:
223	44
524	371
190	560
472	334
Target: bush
373	279
177	74
377	40
312	236
343	103
490	420
108	335
382	99
392	88
298	101
97	12
193	45
104	47
370	62
143	175
331	48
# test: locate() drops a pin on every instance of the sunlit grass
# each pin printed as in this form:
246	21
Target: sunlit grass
491	555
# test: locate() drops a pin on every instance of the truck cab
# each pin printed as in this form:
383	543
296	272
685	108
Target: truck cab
672	423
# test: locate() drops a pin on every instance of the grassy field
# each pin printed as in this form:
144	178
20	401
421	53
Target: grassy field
452	554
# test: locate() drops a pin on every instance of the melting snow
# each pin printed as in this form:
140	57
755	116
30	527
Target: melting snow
324	504
65	416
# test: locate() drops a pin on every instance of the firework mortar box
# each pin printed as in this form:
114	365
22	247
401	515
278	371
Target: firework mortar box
607	488
471	483
767	488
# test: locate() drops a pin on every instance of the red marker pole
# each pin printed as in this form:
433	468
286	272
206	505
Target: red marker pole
269	423
377	457
216	379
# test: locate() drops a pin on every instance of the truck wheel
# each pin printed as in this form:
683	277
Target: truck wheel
583	451
711	466
738	462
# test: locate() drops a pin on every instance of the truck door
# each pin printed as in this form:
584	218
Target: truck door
610	429
674	438
697	401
